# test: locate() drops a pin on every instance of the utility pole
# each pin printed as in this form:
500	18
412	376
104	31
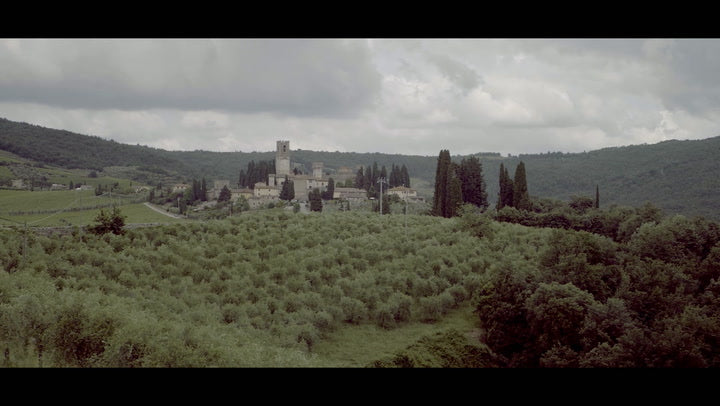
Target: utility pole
381	181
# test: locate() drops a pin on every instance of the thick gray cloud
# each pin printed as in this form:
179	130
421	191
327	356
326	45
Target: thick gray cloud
296	77
396	96
458	73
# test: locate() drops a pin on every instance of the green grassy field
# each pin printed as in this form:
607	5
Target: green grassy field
26	202
69	208
136	213
5	173
357	346
6	156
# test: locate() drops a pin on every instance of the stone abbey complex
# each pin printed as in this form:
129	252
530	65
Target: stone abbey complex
303	184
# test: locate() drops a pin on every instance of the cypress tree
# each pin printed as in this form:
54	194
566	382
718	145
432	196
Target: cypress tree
225	195
404	176
440	196
509	189
195	195
521	199
242	179
315	200
368	181
360	179
394	176
473	184
203	190
328	195
502	192
597	197
288	190
251	175
454	193
505	195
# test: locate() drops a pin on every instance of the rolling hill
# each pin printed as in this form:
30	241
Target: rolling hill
678	176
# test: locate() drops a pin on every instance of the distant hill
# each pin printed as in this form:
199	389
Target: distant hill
677	176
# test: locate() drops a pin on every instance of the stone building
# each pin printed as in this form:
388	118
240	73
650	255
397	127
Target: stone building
262	190
302	184
349	193
282	158
343	173
237	193
405	193
180	187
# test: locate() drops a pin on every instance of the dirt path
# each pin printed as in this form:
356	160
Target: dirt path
161	211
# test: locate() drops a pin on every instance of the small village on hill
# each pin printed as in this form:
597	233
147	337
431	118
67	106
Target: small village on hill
263	193
288	184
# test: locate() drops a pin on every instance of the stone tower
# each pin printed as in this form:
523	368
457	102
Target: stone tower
317	168
282	158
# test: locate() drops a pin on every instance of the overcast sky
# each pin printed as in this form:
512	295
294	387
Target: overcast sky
408	96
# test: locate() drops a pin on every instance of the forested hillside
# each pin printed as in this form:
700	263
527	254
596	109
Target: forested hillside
678	176
70	150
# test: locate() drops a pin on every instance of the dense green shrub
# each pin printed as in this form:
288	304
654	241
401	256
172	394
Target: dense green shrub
448	349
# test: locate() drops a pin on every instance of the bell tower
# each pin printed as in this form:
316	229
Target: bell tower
282	158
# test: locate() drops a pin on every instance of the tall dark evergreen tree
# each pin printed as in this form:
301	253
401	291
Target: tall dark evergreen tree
195	195
505	194
597	197
225	195
360	179
454	193
315	200
473	183
394	179
288	190
375	174
404	176
368	182
521	198
440	197
330	191
242	179
203	190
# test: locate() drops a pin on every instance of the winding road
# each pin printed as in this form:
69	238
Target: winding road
161	211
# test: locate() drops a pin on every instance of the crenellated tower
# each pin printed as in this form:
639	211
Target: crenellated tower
282	158
317	168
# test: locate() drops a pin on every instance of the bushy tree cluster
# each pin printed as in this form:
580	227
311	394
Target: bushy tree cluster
589	301
113	222
457	184
288	190
513	192
255	172
367	178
